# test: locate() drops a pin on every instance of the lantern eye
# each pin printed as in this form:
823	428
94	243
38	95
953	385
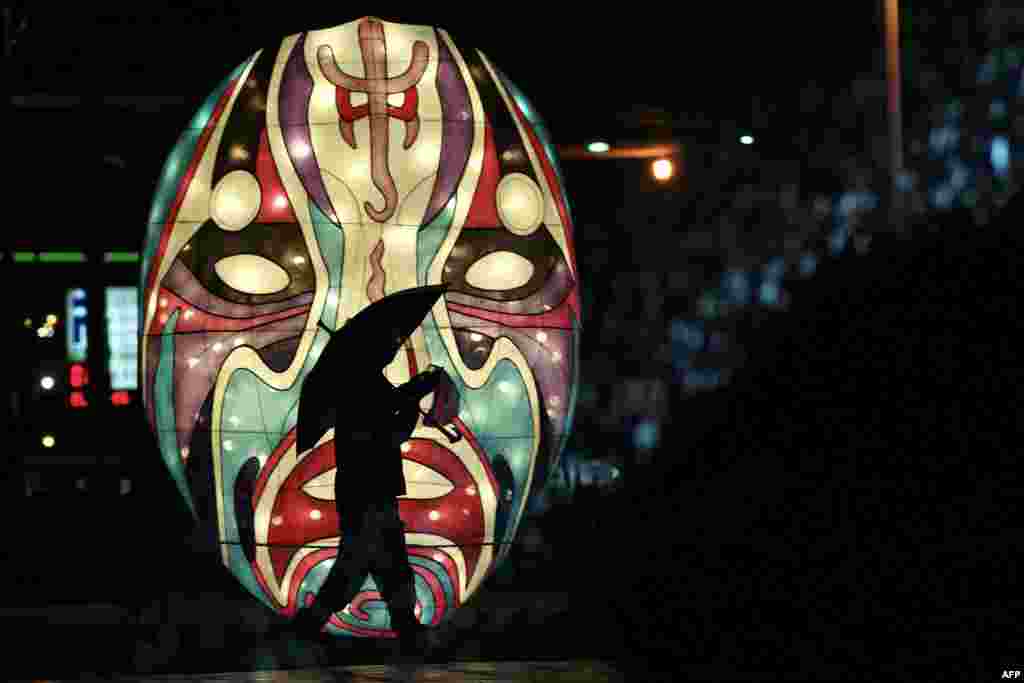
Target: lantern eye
500	270
252	274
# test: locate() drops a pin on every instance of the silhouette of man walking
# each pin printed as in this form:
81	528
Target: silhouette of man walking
369	430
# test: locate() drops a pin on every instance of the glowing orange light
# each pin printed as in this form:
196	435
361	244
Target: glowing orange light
662	169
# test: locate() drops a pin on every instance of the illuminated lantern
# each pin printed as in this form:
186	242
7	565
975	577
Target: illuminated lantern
323	173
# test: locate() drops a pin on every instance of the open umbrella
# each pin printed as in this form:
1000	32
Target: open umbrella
372	337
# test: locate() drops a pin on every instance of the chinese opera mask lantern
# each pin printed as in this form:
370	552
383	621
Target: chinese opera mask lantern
322	174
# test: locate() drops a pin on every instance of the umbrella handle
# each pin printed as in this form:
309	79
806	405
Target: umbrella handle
452	437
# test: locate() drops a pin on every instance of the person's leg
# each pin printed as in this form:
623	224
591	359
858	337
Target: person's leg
398	590
345	577
394	576
342	584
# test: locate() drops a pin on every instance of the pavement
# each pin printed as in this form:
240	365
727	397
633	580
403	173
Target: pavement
206	633
569	671
82	602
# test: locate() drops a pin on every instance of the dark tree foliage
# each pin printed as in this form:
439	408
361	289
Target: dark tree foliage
850	507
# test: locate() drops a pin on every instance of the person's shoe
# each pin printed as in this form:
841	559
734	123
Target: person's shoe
305	624
411	642
279	629
309	624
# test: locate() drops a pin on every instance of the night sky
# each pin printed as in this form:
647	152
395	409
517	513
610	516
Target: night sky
707	67
581	69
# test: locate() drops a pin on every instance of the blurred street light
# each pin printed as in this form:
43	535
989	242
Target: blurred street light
47	383
891	43
48	441
598	147
747	139
621	150
662	169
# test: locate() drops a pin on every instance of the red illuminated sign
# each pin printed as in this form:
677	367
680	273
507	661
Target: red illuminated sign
79	375
120	398
77	399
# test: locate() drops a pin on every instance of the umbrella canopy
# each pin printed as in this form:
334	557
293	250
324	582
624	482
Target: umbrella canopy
366	343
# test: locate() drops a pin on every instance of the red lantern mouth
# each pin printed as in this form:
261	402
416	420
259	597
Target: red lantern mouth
444	512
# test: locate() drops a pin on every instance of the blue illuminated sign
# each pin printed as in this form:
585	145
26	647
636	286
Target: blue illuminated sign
123	337
77	316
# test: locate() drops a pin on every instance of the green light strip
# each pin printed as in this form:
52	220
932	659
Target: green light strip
24	257
61	257
121	257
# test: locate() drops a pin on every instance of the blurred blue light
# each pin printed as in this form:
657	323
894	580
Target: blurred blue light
953	111
905	181
703	377
769	293
942	196
837	242
690	333
941	140
736	284
987	71
775	269
853	201
646	434
598	473
961	174
997	109
1000	155
808	264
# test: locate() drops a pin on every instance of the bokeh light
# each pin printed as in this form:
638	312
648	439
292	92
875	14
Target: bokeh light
662	169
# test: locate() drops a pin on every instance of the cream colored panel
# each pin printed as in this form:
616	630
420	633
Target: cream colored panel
520	203
410	166
348	173
499	271
252	274
422	483
235	201
411	210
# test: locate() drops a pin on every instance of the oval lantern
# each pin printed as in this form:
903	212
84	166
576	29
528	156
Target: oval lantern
323	173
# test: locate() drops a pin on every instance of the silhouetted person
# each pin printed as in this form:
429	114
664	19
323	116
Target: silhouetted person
373	419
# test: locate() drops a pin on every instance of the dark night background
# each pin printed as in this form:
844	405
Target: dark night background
797	431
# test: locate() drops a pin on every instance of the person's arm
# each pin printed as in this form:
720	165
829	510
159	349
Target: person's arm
419	386
410	394
405	421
